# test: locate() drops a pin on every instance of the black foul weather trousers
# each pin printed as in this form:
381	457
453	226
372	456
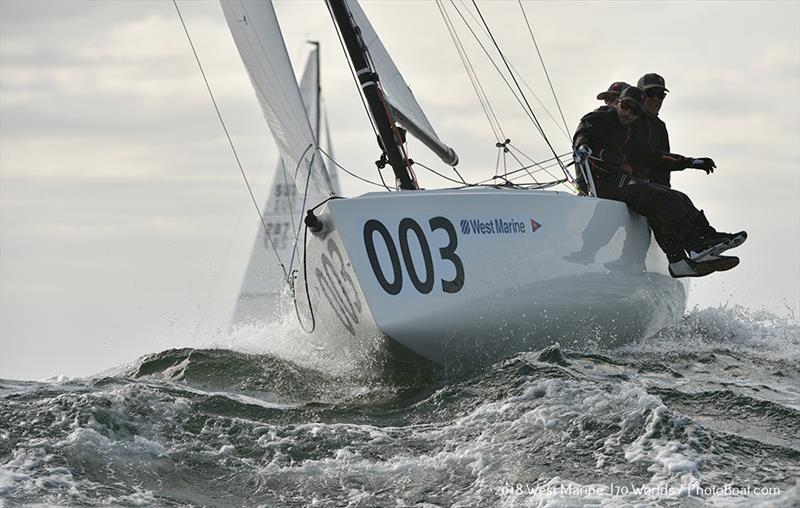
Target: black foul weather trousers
671	214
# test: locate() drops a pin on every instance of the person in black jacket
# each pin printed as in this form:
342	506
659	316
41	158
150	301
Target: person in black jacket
604	140
650	132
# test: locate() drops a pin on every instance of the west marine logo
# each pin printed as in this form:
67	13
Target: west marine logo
496	226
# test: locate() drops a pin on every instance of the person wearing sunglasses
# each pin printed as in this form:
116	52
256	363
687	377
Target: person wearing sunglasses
652	131
650	134
604	140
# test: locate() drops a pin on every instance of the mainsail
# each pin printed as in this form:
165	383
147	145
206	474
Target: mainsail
404	105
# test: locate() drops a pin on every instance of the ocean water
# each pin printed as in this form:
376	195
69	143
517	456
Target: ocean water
706	413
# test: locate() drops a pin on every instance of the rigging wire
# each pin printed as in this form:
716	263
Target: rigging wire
570	184
497	68
230	141
544	68
305	197
305	275
497	47
522	165
355	175
519	75
308	293
443	176
528	167
459	174
541	168
360	96
483	99
544	185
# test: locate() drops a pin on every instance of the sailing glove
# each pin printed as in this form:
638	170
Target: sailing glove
705	164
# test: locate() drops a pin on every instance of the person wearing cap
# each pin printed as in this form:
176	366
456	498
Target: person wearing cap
650	130
611	96
604	140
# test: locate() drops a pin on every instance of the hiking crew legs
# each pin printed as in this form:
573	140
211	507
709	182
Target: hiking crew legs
697	217
671	214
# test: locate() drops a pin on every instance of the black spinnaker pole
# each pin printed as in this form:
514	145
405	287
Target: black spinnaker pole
368	79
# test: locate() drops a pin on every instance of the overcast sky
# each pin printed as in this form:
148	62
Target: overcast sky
125	226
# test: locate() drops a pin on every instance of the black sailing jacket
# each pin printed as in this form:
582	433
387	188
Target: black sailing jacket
651	132
609	140
622	148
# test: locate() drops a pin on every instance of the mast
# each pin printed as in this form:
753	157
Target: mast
368	79
316	120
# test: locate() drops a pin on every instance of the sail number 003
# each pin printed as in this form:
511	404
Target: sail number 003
423	282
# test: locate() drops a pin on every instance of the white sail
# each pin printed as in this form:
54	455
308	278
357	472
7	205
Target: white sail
259	298
332	171
408	112
258	37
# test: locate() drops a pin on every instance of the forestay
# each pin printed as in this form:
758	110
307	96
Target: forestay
258	37
404	105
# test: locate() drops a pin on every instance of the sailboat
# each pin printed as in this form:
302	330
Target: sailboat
455	277
263	290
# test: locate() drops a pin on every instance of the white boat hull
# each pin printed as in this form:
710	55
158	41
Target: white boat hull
464	277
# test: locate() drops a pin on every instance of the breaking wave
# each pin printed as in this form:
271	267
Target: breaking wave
706	412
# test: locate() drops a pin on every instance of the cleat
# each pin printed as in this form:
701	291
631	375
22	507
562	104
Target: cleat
710	264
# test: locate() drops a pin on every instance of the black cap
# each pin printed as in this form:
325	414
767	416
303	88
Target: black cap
633	94
613	91
651	80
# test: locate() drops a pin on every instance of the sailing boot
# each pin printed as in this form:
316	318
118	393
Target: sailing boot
701	224
715	244
711	237
710	264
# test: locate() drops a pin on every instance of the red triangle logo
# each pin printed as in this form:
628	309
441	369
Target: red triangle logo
534	226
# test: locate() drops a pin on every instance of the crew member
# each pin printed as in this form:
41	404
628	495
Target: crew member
650	133
611	96
607	135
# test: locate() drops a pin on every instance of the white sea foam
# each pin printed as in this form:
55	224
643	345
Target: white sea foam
286	339
32	470
490	443
758	333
